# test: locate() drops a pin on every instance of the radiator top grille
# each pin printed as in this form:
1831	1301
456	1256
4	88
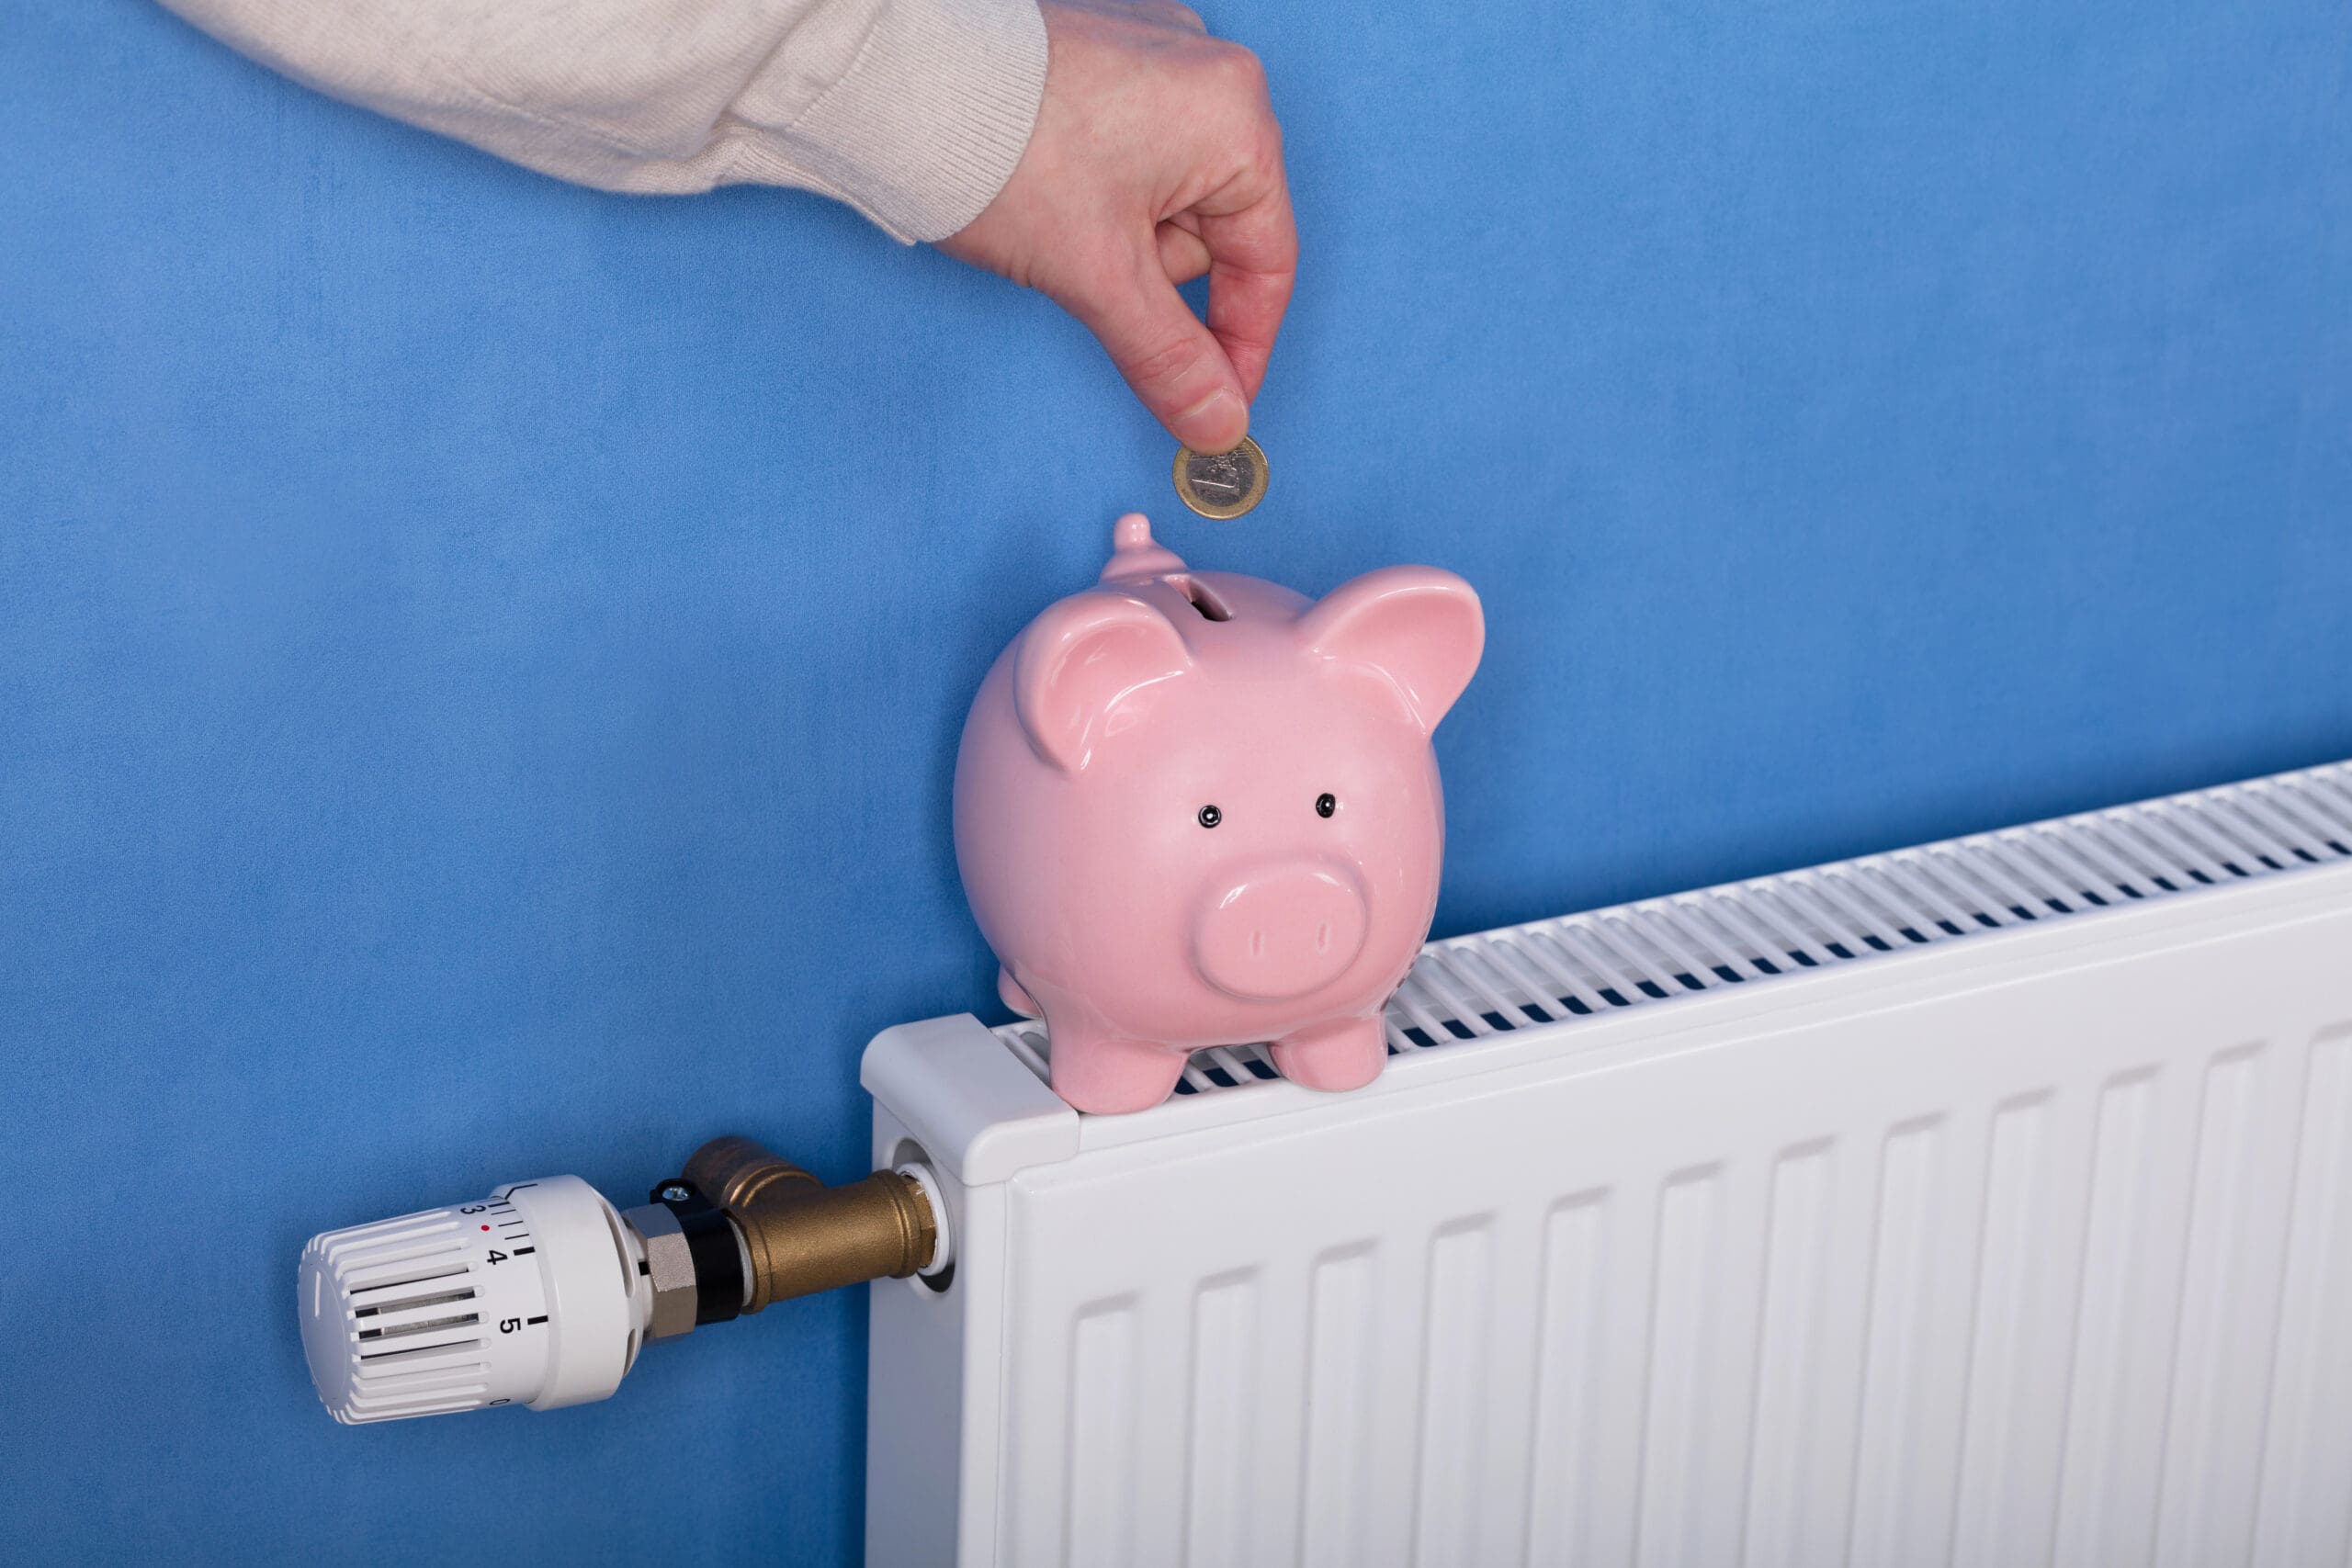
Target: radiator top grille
1853	912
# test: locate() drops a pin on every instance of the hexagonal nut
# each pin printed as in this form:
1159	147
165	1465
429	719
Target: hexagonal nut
670	1265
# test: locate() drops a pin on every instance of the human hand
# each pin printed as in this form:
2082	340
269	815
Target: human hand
1155	158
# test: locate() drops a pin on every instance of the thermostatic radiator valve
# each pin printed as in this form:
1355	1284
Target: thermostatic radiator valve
542	1292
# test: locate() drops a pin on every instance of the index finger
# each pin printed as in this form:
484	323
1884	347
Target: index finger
1253	262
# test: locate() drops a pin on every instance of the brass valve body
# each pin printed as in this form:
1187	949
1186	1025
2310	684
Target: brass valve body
803	1236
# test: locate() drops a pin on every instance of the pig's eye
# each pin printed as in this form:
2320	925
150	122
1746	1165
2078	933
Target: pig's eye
1325	804
1211	817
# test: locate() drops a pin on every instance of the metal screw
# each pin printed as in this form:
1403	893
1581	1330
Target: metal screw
677	1193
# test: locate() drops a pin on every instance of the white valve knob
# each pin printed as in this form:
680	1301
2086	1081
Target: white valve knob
541	1293
536	1297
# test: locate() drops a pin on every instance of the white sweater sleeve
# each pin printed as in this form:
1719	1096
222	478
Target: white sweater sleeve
912	111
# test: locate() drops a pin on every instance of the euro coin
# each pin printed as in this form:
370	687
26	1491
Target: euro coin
1221	484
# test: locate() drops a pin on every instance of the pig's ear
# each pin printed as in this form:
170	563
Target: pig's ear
1420	627
1077	660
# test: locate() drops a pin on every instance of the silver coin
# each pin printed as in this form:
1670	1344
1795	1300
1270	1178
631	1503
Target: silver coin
1222	476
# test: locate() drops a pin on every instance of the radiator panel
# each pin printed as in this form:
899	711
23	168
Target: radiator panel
2031	1247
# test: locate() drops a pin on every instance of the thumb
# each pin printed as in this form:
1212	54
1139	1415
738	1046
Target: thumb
1168	355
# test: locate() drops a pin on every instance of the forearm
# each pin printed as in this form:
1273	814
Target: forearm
913	111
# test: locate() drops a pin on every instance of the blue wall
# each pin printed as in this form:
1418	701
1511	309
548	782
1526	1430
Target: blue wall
479	659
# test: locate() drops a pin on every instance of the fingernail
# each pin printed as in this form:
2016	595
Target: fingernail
1215	424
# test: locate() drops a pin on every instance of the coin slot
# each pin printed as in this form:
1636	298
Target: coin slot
1201	597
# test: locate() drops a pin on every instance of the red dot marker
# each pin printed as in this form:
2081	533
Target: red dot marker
485	1227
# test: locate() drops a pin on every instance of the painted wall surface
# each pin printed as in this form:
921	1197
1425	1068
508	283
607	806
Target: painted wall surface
479	660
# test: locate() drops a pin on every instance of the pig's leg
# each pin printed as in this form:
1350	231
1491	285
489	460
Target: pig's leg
1346	1055
1104	1073
1015	997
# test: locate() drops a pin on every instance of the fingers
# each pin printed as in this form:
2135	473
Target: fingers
1253	262
1175	365
1183	255
1246	240
1171	12
1155	159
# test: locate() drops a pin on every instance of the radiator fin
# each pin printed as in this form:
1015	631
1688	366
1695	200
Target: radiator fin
1225	1391
2305	1509
2114	1296
2008	1368
1337	1483
1789	1356
1897	1360
1458	1330
2203	1431
1673	1496
1103	1379
1474	987
1561	1466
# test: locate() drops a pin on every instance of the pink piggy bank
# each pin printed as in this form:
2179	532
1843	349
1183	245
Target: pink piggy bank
1195	809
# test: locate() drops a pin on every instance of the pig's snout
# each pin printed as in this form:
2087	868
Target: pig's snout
1280	931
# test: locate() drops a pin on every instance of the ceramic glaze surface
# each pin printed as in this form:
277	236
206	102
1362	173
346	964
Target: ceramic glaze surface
1195	808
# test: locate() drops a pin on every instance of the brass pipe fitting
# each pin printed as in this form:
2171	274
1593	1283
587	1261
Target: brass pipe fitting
803	1237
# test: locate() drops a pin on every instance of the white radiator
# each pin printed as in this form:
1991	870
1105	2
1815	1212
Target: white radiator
1985	1203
